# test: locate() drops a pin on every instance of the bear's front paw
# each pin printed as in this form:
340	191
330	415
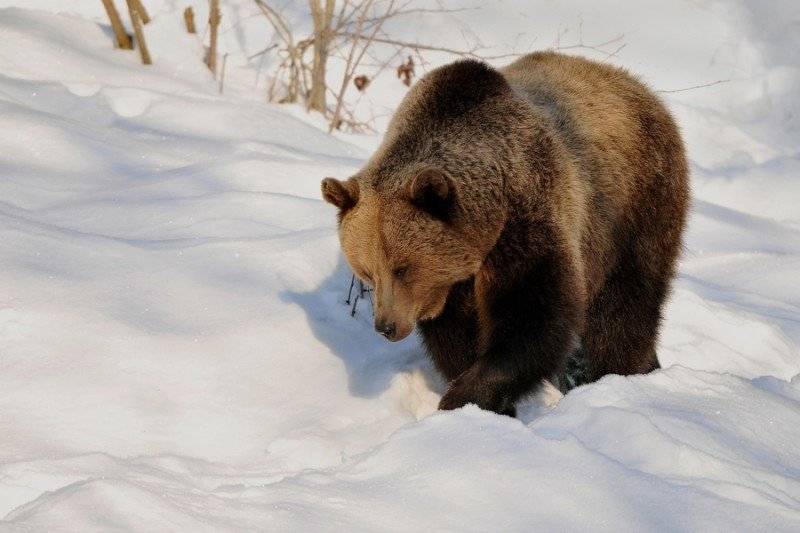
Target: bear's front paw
453	399
463	391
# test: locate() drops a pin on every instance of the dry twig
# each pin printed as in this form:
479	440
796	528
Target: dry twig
293	63
711	84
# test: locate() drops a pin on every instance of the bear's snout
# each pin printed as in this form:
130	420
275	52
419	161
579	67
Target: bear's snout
387	329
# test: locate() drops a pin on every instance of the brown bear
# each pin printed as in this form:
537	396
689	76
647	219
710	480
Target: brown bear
527	219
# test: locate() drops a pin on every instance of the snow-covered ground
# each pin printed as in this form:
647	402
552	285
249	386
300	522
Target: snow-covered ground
176	353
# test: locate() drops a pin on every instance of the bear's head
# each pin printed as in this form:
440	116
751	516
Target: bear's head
406	245
425	211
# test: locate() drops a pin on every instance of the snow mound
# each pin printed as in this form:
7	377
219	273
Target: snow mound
672	451
177	352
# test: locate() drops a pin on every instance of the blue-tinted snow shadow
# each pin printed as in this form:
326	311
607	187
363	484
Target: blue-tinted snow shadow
371	361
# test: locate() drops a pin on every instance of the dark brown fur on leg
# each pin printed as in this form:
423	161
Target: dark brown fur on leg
622	325
529	320
452	337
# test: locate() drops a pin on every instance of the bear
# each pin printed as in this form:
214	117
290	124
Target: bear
526	219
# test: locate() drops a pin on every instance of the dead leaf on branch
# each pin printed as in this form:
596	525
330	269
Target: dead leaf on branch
361	82
406	71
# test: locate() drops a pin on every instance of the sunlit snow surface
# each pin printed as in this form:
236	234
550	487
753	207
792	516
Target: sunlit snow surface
176	353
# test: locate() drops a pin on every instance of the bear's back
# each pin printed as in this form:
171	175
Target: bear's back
626	148
599	111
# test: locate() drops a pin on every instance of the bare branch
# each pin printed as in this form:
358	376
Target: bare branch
348	31
294	50
711	84
262	52
600	48
277	21
352	62
414	11
474	53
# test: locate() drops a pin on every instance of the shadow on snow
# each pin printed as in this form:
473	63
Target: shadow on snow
371	361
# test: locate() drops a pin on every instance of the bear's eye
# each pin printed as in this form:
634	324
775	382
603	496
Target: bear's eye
400	272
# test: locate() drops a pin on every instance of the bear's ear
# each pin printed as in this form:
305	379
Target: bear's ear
433	191
342	194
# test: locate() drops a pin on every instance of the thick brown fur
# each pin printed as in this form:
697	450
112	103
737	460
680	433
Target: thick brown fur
521	218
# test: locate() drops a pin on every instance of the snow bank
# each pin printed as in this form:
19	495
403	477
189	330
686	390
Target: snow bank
176	352
673	451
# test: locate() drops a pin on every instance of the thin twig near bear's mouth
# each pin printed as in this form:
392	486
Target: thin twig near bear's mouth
362	290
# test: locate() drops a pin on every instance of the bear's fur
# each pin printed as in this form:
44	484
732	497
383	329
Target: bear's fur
526	219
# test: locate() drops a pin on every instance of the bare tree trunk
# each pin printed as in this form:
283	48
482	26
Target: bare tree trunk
322	37
188	18
123	39
136	20
213	21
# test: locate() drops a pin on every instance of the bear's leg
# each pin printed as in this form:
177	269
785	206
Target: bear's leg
451	338
623	320
532	320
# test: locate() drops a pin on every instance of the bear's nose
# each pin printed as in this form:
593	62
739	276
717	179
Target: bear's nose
387	329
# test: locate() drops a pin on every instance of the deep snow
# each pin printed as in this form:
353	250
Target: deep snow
176	353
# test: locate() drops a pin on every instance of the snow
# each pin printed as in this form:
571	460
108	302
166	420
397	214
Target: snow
176	352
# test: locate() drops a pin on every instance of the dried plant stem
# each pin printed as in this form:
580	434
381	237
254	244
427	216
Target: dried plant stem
214	18
188	19
121	36
136	20
142	11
